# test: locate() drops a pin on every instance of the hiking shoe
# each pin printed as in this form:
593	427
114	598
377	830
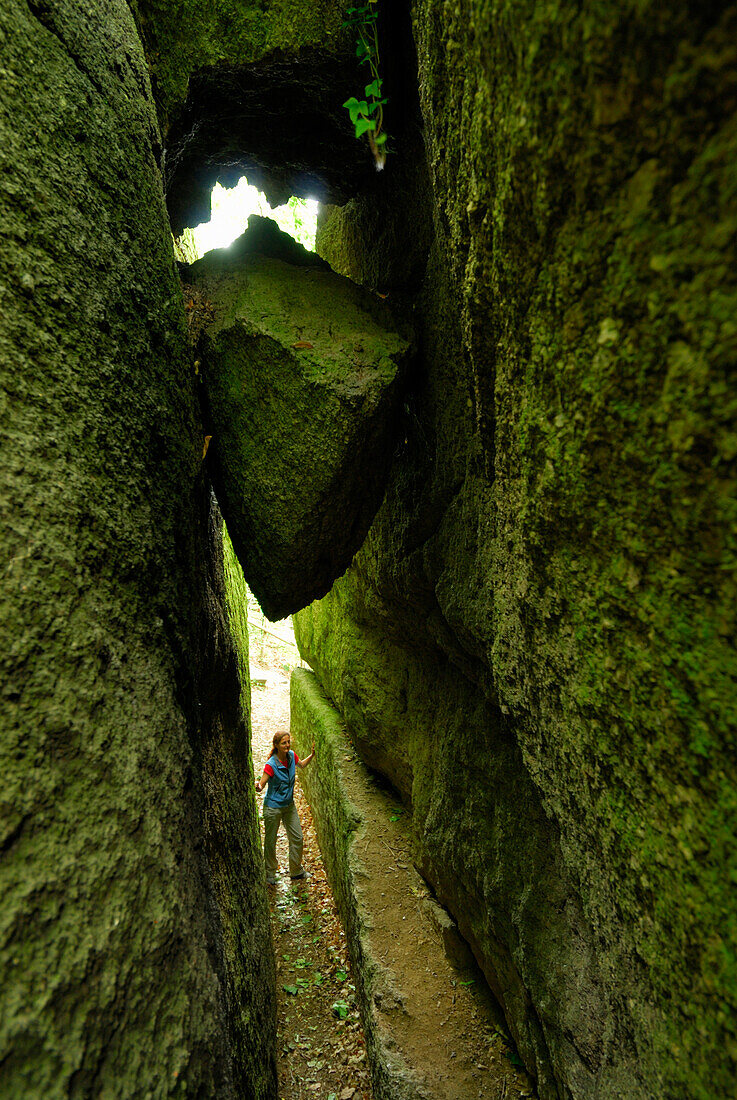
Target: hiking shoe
302	874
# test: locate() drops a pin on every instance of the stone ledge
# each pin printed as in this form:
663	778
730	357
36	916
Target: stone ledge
426	1023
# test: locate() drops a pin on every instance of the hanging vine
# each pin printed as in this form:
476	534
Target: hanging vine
367	115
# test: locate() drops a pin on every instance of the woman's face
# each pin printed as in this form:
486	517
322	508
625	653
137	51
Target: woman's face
284	743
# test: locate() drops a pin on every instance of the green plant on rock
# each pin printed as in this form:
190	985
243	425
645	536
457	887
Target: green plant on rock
367	115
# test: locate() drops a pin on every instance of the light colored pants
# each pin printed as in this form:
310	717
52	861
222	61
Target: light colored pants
289	816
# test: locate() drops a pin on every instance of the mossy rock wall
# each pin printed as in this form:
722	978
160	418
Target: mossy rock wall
314	719
557	545
133	942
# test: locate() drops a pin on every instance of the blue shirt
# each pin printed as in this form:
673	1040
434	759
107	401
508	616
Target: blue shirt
280	785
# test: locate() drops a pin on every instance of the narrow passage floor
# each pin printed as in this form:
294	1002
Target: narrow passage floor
320	1047
438	1018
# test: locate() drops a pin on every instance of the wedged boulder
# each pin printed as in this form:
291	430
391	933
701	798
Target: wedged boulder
302	377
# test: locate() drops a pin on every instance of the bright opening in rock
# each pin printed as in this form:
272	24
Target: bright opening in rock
230	210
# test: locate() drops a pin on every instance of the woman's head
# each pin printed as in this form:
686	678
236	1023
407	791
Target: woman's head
280	742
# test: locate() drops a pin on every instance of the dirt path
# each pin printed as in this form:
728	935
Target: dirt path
320	1048
434	1008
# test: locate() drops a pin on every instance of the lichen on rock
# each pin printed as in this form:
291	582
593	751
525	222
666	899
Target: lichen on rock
252	89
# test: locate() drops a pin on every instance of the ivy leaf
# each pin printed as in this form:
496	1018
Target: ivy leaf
351	106
290	989
374	88
363	125
340	1008
362	48
380	139
356	108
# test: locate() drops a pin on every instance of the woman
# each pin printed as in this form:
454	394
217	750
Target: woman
279	773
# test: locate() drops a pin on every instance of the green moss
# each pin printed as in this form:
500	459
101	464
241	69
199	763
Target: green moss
126	909
307	424
236	591
340	824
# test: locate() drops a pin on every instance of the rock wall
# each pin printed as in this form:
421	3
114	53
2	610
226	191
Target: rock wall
134	918
535	643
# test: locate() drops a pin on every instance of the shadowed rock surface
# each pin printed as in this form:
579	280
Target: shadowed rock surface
253	89
302	374
134	930
536	640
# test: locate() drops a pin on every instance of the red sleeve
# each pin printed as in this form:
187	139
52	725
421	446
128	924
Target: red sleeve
296	759
269	770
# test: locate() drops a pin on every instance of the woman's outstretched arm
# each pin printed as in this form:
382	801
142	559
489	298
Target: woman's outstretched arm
307	759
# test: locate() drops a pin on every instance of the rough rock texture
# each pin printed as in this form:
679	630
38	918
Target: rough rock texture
133	915
254	89
301	371
537	640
